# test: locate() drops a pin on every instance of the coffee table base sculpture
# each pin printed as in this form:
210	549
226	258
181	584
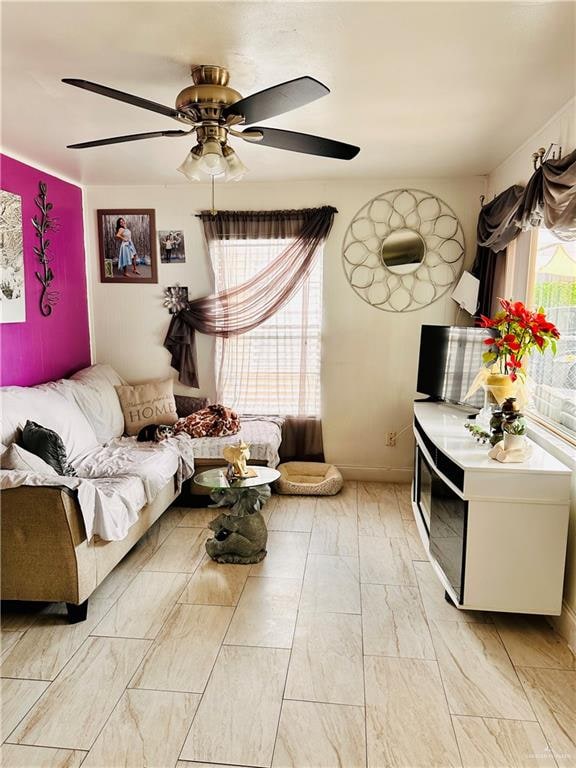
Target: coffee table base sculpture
240	533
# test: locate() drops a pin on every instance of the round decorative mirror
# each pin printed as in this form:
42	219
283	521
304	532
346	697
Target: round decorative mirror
403	250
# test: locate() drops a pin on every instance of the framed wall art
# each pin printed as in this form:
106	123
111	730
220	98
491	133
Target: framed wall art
127	242
171	243
12	285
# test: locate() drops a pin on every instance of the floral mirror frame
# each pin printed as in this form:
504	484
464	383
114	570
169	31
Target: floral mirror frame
372	251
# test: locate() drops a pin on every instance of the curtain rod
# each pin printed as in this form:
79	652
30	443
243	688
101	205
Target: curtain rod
294	212
543	154
538	159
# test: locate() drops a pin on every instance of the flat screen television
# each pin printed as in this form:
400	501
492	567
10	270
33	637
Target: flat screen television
450	357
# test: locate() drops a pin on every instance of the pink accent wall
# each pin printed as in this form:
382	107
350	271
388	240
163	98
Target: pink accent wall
45	348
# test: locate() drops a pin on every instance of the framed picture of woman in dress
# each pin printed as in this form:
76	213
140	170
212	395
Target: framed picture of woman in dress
127	240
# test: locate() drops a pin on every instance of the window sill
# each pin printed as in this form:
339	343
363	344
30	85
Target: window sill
554	444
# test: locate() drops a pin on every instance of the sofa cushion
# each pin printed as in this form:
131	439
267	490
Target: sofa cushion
186	405
16	457
94	391
48	445
150	403
48	407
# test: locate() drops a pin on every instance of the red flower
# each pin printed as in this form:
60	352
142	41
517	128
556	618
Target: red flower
514	362
519	310
543	326
516	331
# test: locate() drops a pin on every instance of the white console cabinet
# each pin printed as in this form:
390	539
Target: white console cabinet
495	533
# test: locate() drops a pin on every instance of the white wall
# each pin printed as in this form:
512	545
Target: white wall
369	356
517	169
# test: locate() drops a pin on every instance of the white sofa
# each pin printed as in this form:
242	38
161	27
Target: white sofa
61	536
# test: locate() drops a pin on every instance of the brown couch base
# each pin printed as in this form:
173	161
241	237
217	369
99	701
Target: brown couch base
45	555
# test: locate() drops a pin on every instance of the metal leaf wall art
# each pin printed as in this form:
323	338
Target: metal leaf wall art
44	224
175	298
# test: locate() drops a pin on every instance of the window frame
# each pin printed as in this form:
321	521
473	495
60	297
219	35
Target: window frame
520	283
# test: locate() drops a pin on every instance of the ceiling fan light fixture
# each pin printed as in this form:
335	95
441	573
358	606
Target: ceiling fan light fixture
235	167
193	164
212	158
210	109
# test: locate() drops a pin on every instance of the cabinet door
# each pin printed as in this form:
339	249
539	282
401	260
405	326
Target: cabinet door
448	518
424	488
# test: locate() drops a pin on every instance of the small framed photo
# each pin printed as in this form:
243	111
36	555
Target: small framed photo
171	243
127	240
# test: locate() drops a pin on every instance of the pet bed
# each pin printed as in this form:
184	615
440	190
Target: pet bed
308	478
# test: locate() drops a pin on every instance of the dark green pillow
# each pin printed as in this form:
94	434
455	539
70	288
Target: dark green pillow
48	445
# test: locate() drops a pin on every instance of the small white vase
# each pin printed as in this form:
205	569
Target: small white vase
514	442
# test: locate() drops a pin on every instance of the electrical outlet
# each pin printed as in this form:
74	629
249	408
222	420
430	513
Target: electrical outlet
391	439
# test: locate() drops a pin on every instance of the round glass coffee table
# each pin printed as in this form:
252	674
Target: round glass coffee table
240	533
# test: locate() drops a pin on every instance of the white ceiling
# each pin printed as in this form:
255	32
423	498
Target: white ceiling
425	88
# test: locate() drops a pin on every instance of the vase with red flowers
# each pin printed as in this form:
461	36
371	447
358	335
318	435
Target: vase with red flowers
515	332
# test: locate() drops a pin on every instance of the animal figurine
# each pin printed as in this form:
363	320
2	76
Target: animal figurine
155	433
237	456
240	533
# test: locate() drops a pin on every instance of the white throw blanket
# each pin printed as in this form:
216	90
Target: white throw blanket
153	463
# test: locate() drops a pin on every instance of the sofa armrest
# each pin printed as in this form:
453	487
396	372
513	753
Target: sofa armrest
41	528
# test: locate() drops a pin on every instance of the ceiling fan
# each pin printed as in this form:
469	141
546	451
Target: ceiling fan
212	110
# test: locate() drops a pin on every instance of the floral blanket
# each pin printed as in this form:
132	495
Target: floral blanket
213	421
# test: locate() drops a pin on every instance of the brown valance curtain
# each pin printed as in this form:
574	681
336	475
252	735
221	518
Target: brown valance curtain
549	198
255	225
244	307
496	229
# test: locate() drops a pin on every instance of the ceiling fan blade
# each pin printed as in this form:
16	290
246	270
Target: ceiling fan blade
121	139
112	93
303	142
278	99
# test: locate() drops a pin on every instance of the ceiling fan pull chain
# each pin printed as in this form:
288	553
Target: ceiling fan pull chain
213	210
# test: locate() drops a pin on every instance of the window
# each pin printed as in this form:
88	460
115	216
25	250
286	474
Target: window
552	285
275	368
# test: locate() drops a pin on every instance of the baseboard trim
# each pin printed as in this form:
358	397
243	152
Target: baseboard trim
565	625
377	474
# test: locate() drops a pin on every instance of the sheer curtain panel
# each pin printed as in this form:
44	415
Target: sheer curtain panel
274	368
266	313
241	308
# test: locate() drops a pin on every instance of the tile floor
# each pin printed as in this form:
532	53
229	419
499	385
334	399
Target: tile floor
338	650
